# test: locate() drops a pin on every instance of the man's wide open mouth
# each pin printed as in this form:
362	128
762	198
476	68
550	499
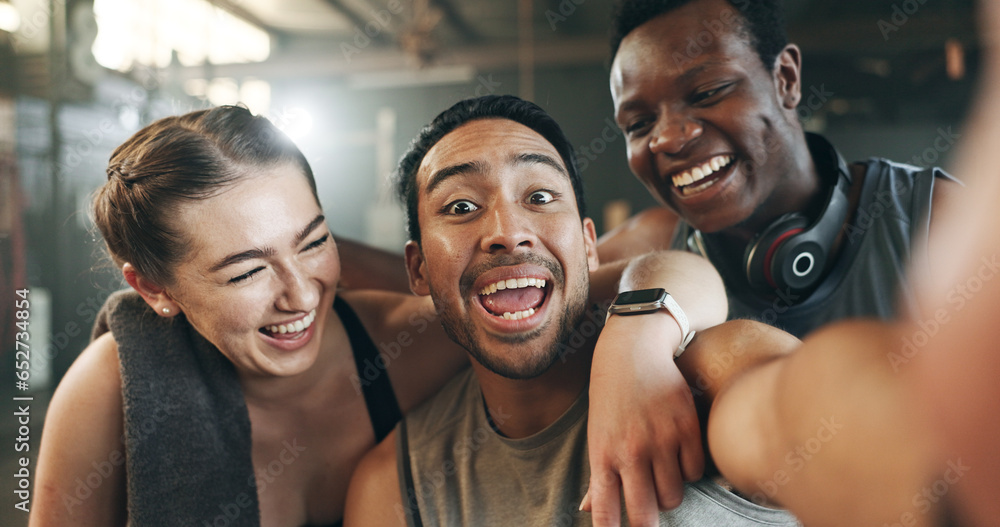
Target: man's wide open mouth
514	298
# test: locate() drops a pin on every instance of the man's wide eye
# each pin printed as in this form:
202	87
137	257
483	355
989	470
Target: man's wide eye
541	197
461	207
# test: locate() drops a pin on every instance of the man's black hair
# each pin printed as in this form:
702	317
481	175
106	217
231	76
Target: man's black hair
487	107
763	20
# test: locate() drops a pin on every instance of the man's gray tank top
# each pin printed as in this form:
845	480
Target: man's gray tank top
869	277
456	471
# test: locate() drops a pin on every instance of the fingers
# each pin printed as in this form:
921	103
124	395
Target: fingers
605	499
585	504
669	486
641	496
692	455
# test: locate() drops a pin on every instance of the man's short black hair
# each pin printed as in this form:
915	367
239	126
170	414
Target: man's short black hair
487	107
764	21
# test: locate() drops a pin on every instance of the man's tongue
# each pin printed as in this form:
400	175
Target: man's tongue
513	300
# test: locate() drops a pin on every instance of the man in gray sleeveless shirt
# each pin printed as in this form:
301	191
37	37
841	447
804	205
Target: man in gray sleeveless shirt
501	245
706	93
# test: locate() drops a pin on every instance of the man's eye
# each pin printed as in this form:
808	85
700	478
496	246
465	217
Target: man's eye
708	94
541	197
462	206
636	126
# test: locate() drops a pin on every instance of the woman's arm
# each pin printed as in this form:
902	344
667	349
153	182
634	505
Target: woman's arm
81	462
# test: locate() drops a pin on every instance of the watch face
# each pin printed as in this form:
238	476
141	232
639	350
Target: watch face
641	296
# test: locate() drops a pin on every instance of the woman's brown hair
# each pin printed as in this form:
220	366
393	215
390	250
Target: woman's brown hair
176	159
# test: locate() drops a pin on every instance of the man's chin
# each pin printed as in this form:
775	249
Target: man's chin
524	369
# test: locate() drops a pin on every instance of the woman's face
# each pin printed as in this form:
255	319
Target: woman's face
261	273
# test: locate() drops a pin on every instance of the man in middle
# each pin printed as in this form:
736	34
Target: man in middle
500	242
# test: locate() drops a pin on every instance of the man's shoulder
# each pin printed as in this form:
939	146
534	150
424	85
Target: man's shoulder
444	412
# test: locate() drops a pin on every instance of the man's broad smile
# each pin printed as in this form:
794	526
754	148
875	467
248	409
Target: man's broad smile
513	296
699	177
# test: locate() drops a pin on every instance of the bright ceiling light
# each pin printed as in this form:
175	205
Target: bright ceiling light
10	19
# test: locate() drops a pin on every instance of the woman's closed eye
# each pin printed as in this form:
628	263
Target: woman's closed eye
245	276
318	243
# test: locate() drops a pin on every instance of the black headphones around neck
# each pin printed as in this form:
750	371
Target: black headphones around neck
791	253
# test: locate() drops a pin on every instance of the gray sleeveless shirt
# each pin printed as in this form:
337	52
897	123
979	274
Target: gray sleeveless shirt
869	277
455	470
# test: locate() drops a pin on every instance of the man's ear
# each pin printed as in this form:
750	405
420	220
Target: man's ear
154	295
416	267
590	242
788	76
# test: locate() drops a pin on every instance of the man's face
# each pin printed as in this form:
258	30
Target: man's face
503	252
709	129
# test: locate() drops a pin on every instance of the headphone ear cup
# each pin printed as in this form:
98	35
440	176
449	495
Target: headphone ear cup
762	253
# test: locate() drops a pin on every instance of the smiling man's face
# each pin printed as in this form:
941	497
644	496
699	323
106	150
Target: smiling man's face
503	251
710	130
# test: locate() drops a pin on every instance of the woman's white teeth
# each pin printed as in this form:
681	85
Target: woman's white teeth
294	327
702	171
518	315
512	283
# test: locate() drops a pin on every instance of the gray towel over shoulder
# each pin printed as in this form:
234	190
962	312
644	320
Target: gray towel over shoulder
187	430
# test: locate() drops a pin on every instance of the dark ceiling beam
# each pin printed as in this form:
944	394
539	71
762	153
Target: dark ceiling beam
359	21
457	21
232	7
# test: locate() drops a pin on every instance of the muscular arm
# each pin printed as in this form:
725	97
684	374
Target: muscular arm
82	443
373	498
643	430
366	267
650	230
827	431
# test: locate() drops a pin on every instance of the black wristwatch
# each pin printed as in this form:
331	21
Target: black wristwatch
642	301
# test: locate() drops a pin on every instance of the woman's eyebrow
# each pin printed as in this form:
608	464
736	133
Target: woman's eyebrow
264	252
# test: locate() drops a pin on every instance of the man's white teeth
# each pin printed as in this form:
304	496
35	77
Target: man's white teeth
691	190
294	327
518	315
512	283
702	171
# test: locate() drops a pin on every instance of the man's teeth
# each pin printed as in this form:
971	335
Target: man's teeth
294	327
703	171
512	283
519	314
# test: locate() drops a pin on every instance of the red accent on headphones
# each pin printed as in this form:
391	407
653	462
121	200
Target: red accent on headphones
770	253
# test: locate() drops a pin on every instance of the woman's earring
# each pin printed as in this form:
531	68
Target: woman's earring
166	311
